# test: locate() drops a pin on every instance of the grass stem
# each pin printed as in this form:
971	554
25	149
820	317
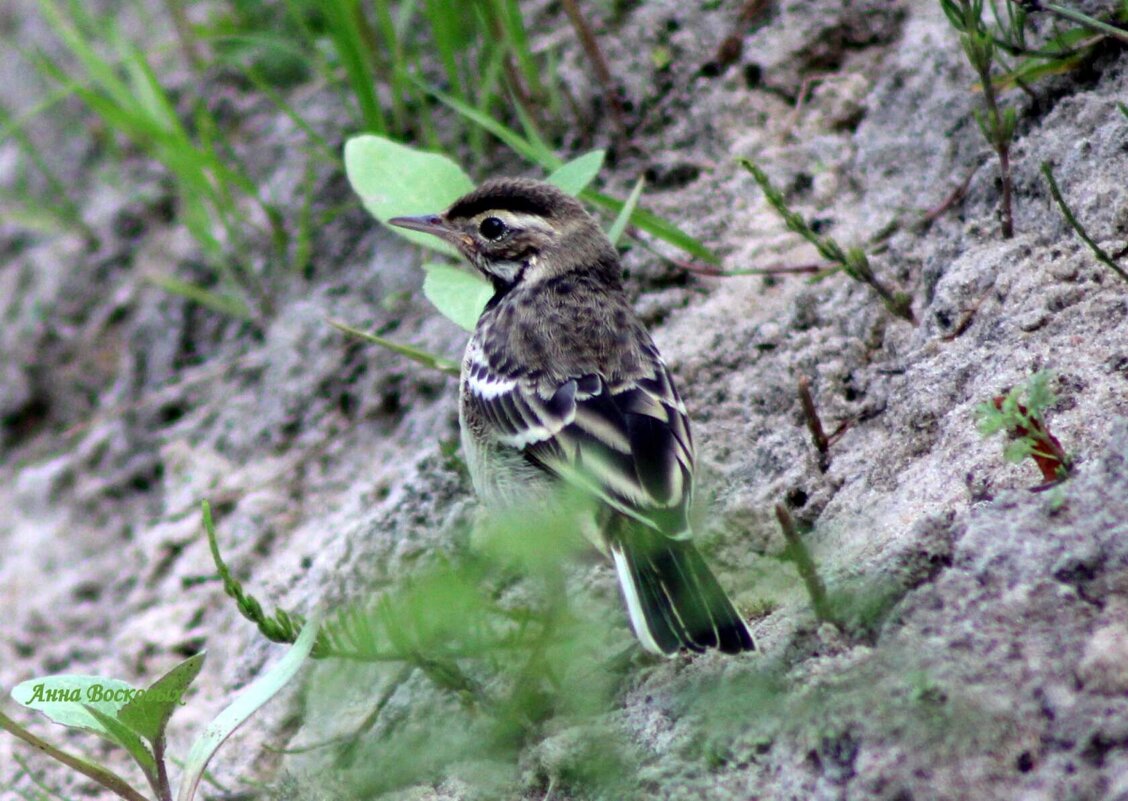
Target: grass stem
798	554
1098	251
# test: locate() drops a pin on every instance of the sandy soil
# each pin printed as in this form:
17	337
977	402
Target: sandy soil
994	668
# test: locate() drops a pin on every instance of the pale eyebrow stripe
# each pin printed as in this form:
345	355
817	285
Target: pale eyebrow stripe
515	219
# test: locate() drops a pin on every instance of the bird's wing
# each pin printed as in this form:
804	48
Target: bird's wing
629	443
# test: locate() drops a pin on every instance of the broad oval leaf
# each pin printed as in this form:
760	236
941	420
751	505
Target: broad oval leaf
457	294
68	698
575	176
393	180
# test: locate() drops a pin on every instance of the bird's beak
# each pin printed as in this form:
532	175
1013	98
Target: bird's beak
429	224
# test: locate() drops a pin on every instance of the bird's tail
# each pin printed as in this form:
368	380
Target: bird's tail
673	598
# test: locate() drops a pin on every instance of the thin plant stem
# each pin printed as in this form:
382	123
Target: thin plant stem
1002	150
814	423
804	565
1098	251
852	261
103	776
598	62
1087	21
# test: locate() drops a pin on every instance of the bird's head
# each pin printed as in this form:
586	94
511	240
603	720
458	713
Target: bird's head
520	231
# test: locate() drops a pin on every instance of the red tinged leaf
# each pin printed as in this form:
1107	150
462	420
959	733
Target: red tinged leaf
1049	455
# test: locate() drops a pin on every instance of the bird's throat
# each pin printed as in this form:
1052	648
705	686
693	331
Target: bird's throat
504	275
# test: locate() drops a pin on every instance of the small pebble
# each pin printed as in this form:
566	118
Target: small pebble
1104	665
1032	320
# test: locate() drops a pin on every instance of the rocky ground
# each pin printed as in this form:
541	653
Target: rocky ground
992	664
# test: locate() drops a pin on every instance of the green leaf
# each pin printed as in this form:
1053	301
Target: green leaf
415	354
459	295
232	307
1018	450
1010	120
574	176
990	419
1090	22
76	695
625	213
231	718
536	152
655	225
149	711
352	51
127	739
104	777
1039	394
393	180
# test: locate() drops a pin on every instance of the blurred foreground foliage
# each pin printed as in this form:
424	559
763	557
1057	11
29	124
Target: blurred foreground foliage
501	668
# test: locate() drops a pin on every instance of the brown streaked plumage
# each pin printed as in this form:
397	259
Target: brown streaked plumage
562	382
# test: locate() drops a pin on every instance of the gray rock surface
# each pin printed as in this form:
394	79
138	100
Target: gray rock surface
986	635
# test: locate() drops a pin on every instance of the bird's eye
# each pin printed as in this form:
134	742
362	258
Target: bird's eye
492	228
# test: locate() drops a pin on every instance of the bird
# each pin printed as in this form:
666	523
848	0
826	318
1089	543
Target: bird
561	384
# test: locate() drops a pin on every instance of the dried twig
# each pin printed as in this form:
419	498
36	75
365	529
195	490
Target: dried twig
598	62
814	424
957	195
732	46
782	269
965	319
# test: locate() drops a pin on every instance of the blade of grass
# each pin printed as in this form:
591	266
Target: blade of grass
151	101
394	55
513	140
655	226
295	12
640	218
1073	47
625	213
532	133
15	122
508	13
1087	21
350	47
422	102
303	240
415	354
61	207
487	94
99	70
446	29
141	110
232	307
